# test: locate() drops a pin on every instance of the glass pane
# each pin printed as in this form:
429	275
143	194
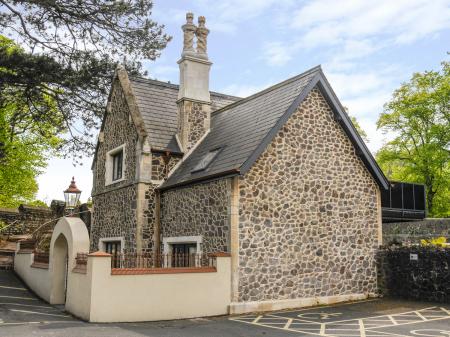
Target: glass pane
206	160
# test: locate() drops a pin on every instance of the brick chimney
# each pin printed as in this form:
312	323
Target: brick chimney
194	102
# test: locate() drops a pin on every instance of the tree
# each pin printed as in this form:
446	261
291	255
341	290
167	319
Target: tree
74	47
26	138
360	130
419	117
358	127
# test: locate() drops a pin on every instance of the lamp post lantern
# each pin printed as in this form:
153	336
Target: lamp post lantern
72	195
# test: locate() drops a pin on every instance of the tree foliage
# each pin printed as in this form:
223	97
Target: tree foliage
26	137
360	130
419	117
74	47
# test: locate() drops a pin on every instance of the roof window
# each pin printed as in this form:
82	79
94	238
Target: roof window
206	160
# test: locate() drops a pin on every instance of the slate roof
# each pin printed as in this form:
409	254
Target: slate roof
156	101
244	129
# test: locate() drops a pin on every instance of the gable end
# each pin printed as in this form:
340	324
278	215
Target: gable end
341	118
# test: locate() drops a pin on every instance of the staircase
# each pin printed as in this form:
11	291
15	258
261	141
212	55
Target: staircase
7	249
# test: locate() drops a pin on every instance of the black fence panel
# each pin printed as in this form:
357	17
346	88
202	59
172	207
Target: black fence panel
419	194
403	201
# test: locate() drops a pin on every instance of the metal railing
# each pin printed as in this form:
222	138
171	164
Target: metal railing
175	260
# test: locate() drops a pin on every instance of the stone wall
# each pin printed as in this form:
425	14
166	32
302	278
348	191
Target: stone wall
159	169
115	204
414	231
25	219
114	215
308	213
200	209
193	122
118	129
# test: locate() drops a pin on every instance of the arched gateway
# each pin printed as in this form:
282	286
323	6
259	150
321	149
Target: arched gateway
69	237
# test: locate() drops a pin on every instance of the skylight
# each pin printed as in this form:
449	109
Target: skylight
206	160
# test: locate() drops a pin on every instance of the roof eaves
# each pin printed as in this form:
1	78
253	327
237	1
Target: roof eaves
102	125
347	125
227	173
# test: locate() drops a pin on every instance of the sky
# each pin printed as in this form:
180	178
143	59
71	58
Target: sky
366	50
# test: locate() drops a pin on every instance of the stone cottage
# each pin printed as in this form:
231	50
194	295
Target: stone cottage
281	180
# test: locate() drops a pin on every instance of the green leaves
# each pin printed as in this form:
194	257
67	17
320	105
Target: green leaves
75	46
419	117
30	130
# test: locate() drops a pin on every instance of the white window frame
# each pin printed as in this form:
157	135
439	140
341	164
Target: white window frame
169	241
103	241
109	165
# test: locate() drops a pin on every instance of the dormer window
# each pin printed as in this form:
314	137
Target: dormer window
206	160
115	165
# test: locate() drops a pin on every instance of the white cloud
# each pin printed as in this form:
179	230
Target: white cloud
350	84
329	22
277	54
227	14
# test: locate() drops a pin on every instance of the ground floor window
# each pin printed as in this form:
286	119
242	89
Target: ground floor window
183	251
113	246
184	255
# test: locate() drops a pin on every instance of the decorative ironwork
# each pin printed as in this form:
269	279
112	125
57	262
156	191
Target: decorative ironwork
148	260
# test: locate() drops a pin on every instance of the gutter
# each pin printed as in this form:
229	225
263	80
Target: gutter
229	173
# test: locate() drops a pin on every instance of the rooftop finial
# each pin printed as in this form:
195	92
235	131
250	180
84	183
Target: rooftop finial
202	35
188	38
190	18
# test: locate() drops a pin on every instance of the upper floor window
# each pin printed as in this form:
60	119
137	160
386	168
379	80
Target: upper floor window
117	159
115	165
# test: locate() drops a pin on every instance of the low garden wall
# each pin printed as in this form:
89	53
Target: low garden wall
418	273
98	293
120	295
36	276
414	231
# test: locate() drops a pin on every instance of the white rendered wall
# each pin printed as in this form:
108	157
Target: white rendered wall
153	297
37	279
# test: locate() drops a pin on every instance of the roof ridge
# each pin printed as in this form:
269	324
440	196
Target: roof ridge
269	89
176	86
156	82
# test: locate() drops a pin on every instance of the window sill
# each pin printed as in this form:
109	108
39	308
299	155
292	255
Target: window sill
114	182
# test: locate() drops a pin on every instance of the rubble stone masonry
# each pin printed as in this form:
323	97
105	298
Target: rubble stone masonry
308	218
193	122
200	209
115	204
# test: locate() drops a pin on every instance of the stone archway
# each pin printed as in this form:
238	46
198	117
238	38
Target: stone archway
70	236
60	267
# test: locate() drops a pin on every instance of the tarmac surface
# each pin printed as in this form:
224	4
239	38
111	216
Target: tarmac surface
22	314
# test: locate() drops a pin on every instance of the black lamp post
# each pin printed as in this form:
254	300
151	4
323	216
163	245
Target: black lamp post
72	196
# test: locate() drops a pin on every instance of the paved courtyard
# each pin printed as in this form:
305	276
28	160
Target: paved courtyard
22	314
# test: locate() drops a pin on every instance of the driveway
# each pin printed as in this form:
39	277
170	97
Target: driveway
23	314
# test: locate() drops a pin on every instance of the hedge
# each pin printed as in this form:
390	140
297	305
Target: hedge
425	279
